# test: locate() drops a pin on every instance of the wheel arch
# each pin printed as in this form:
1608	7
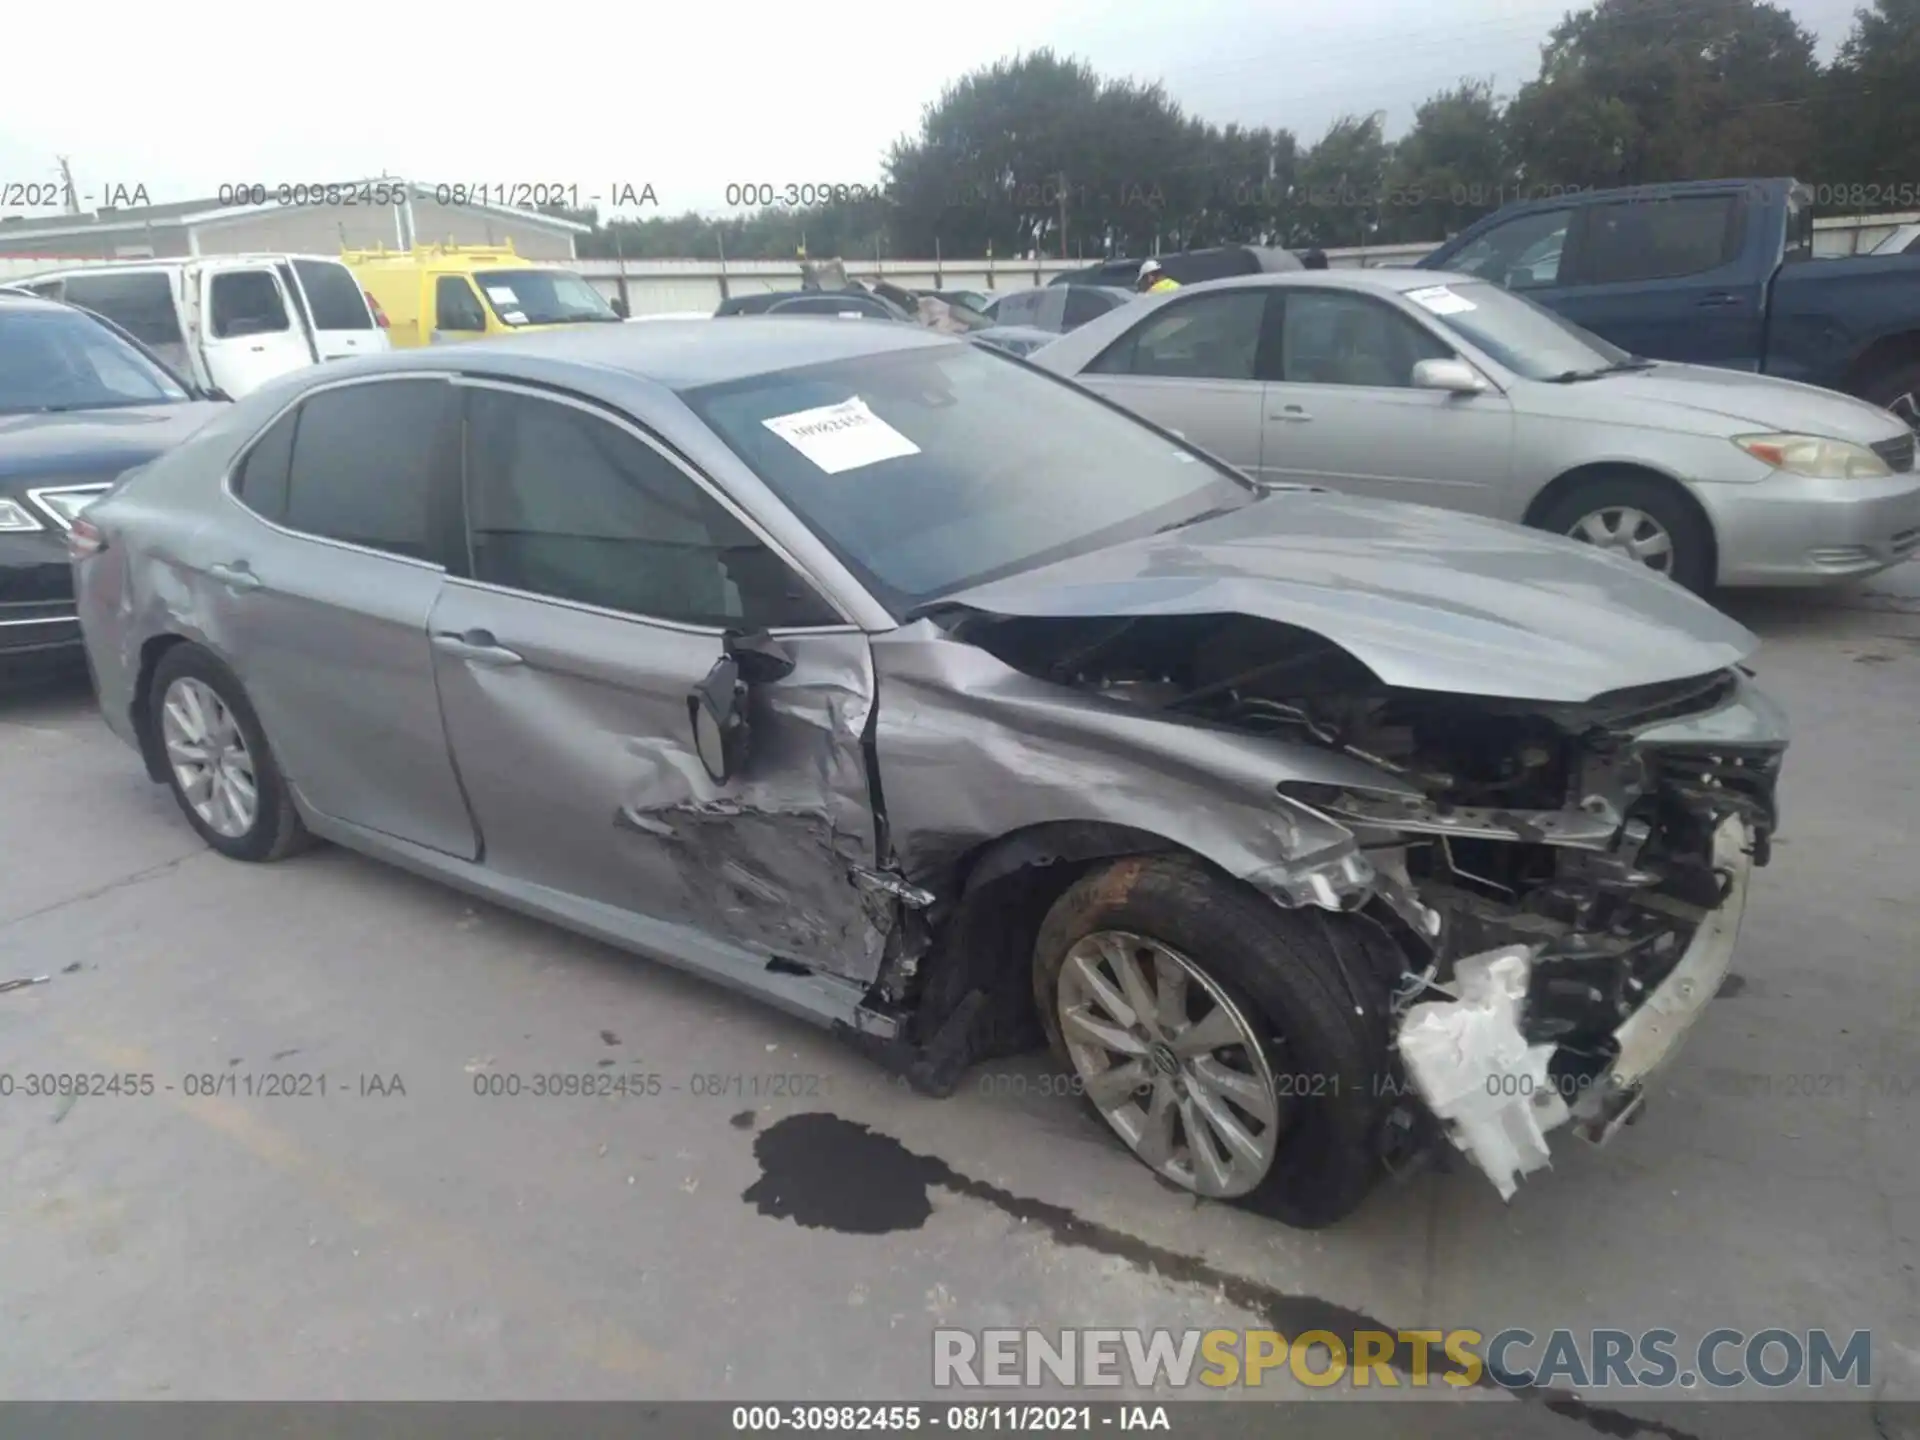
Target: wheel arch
1001	890
1901	348
140	708
1568	481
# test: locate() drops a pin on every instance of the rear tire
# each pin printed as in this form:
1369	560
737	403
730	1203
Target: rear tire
1647	519
218	763
1267	980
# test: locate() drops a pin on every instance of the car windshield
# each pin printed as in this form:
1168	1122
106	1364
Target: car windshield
1528	339
63	360
929	470
542	297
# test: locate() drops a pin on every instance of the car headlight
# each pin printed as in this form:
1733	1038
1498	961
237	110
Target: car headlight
15	518
1815	455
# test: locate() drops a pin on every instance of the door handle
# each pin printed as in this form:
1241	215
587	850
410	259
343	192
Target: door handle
1292	413
237	576
477	646
1719	299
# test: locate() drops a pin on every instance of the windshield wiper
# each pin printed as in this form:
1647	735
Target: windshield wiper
1619	367
1211	514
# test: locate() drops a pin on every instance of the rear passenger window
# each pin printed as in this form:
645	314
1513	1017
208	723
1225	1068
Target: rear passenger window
1660	239
565	504
140	304
333	295
1084	305
261	481
366	459
246	302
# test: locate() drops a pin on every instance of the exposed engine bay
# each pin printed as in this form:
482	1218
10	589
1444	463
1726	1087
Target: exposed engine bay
1543	869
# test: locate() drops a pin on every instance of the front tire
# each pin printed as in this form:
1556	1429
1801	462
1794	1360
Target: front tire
1216	1034
1644	519
219	766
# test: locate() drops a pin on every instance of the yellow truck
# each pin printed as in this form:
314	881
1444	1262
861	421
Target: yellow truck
437	293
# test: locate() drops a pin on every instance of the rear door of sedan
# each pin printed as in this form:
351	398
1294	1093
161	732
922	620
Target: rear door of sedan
1193	366
601	577
317	588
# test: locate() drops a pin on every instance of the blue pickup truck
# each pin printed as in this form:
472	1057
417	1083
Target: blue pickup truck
1714	272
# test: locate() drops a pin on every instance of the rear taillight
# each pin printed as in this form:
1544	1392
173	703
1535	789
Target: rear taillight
379	315
84	538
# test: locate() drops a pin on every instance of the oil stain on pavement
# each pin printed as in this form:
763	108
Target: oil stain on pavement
828	1173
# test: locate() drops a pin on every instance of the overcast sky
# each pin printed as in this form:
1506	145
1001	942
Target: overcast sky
690	102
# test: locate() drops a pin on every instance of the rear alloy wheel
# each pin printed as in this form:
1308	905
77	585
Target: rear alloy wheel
1217	1035
212	769
218	763
1643	519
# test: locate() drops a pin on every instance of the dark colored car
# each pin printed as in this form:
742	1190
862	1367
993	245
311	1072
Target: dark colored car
81	403
1711	272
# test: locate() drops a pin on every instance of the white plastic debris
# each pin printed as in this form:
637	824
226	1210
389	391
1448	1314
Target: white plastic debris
1475	1070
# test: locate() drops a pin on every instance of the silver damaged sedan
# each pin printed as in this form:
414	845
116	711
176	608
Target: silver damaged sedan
935	700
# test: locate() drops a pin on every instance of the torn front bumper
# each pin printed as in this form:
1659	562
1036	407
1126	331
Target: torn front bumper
1494	1093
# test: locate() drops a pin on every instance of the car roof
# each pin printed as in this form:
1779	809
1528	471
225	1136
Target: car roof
679	354
174	262
1382	277
21	300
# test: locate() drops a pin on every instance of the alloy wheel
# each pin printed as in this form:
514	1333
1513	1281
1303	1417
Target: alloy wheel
1627	531
1171	1063
1907	407
210	760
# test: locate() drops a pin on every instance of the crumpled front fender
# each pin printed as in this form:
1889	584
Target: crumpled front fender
970	749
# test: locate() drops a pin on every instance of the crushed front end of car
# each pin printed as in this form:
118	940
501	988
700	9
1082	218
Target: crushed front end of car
1573	879
1548	892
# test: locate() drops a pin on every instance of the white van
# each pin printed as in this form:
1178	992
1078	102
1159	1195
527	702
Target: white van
229	322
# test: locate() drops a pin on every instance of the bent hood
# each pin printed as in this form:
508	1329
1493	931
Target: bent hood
1427	599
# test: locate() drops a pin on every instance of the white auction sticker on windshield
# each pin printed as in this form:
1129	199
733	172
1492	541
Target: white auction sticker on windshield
513	317
841	437
1440	300
503	295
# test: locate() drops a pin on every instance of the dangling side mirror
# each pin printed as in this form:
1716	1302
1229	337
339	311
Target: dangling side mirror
717	709
717	706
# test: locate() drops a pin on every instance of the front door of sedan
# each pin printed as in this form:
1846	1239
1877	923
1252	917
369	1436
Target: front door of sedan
1343	410
602	579
319	600
1193	366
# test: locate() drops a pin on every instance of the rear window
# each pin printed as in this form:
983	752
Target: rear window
1084	305
1660	239
246	302
140	304
332	296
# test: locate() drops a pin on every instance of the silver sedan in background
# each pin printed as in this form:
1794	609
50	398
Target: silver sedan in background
1439	388
934	699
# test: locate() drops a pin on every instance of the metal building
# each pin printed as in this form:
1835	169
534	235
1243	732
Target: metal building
313	220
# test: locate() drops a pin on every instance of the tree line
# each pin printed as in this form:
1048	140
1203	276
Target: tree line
1040	154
